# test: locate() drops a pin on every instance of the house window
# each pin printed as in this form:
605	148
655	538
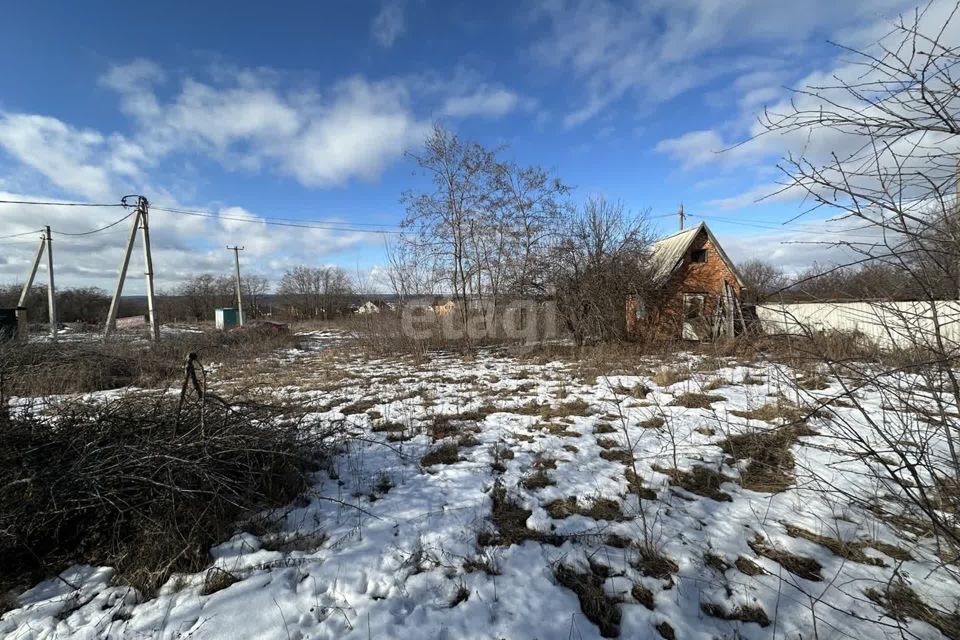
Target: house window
693	305
698	255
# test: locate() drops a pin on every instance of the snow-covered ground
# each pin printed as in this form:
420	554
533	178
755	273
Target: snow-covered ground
385	546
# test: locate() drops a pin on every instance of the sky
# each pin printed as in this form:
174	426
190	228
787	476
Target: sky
305	110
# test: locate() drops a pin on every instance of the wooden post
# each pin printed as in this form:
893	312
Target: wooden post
115	302
143	206
681	216
33	273
236	257
51	290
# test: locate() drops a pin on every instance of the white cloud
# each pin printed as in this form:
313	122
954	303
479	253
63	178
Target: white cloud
484	101
353	130
655	50
389	23
80	161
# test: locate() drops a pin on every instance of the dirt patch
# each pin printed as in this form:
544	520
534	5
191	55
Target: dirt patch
444	454
599	509
701	480
597	606
692	400
901	602
740	613
800	566
771	462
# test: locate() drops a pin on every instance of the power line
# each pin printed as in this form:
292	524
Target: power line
25	233
260	220
62	204
279	219
88	233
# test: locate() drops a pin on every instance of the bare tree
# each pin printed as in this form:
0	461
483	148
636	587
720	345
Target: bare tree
599	260
761	279
889	119
315	292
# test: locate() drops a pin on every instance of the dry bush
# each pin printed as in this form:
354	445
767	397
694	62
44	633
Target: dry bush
48	368
138	484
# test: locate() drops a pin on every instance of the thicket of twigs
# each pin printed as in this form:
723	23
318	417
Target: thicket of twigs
45	368
141	484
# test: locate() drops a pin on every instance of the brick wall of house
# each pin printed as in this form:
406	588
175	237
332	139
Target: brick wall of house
665	308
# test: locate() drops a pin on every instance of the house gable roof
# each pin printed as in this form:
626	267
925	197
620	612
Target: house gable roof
668	253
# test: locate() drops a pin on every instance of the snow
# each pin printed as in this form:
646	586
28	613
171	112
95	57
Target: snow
388	564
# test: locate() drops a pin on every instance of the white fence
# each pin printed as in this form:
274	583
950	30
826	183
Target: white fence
887	323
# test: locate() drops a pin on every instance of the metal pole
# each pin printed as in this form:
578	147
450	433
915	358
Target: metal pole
33	273
681	216
51	290
143	206
115	302
236	258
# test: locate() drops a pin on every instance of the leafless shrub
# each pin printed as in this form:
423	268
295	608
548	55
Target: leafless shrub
142	484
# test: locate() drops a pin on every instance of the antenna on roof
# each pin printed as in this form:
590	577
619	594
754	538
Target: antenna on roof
681	216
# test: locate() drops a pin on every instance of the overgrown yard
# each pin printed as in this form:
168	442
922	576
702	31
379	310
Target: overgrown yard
493	496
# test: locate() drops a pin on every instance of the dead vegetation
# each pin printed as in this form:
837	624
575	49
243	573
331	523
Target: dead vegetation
771	461
446	453
740	613
52	368
701	480
852	550
667	376
143	485
693	400
599	509
800	566
901	602
599	608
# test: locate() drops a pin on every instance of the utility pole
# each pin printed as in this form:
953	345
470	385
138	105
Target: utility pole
139	223
236	259
680	213
46	244
51	290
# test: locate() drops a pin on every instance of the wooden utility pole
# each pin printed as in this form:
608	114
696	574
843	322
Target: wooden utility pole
236	259
139	223
680	213
46	244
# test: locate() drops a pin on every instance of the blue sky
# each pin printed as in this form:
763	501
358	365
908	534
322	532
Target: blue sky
304	110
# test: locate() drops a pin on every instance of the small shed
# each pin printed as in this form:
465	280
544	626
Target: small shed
227	317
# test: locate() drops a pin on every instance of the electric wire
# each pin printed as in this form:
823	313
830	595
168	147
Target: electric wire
62	204
273	221
93	231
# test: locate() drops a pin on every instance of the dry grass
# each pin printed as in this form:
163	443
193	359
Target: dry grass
655	564
217	579
800	566
601	609
901	602
635	486
136	483
666	630
599	509
692	400
447	453
643	595
656	422
748	567
509	521
701	480
668	376
852	551
604	427
740	613
771	461
781	411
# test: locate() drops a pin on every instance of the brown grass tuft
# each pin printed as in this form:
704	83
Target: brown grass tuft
692	400
740	613
597	606
801	566
446	453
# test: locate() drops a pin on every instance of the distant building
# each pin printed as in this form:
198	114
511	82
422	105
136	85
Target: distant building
696	290
368	307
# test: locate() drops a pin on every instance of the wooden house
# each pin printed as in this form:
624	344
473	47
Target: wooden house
695	290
